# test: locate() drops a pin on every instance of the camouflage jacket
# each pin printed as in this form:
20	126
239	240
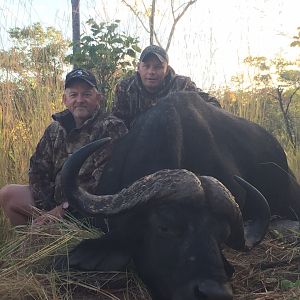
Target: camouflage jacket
61	138
132	98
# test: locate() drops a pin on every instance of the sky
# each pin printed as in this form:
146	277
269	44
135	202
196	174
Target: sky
210	41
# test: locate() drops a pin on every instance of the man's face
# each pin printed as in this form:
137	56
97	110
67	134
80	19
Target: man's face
152	72
82	100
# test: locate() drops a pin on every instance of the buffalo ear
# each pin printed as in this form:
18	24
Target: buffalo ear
102	254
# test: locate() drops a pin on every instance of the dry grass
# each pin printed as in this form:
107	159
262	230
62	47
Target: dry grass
269	271
23	123
26	257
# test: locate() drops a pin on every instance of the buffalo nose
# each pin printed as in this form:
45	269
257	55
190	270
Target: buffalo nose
212	290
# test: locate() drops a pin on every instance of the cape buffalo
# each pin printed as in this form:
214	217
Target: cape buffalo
173	222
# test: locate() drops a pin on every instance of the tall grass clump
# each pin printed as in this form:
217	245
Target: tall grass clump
28	254
25	115
259	106
30	91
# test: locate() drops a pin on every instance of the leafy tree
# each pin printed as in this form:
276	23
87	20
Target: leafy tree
37	54
32	68
108	53
276	84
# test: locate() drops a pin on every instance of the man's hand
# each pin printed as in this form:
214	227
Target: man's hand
52	216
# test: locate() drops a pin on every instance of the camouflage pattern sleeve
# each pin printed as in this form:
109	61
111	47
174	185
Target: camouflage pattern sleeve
121	105
191	86
210	99
114	128
41	177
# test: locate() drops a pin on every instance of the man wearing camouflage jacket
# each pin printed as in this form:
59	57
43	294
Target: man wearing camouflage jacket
153	80
82	122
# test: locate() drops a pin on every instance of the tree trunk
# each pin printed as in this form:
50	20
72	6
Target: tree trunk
151	22
75	28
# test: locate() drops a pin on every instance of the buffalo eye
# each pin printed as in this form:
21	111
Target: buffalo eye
165	222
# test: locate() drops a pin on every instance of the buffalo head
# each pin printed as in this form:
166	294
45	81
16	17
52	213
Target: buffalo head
172	225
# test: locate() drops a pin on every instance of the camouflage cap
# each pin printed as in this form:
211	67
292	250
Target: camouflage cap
159	52
81	74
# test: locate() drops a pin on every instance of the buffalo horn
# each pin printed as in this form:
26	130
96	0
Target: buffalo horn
244	235
71	169
256	227
160	185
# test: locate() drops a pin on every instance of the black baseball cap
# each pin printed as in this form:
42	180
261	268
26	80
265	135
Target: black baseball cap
159	52
81	74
